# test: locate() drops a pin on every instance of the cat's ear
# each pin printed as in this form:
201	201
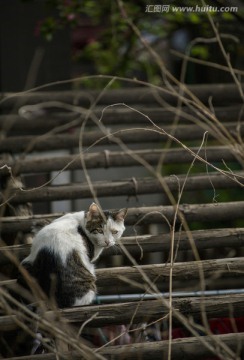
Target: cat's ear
121	214
93	210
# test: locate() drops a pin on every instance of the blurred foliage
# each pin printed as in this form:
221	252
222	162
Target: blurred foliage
115	49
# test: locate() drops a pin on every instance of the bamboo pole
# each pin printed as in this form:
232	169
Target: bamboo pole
56	142
231	267
190	348
213	283
130	136
203	239
157	273
225	211
192	212
145	95
145	311
61	141
112	116
124	187
110	159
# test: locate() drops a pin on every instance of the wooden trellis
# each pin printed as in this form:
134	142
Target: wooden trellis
126	129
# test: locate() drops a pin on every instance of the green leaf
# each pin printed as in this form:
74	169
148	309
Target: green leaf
200	51
194	18
227	16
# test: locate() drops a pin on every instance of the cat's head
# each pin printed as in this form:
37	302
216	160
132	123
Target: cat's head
104	227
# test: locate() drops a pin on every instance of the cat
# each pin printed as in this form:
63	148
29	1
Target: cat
63	253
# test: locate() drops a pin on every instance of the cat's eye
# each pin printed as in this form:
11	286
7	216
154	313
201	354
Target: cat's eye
114	232
97	231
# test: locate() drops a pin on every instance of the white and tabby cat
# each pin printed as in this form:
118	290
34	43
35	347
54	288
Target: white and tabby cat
64	252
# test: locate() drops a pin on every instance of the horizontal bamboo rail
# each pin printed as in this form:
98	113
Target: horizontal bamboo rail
145	311
125	187
160	273
111	116
231	267
61	141
203	239
190	348
108	159
129	136
55	142
228	93
225	211
212	283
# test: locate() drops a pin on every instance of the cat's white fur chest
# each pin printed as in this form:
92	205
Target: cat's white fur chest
62	237
86	299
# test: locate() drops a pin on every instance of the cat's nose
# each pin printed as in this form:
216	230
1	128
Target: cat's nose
107	242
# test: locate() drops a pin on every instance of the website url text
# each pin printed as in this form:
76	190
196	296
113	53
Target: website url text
190	9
